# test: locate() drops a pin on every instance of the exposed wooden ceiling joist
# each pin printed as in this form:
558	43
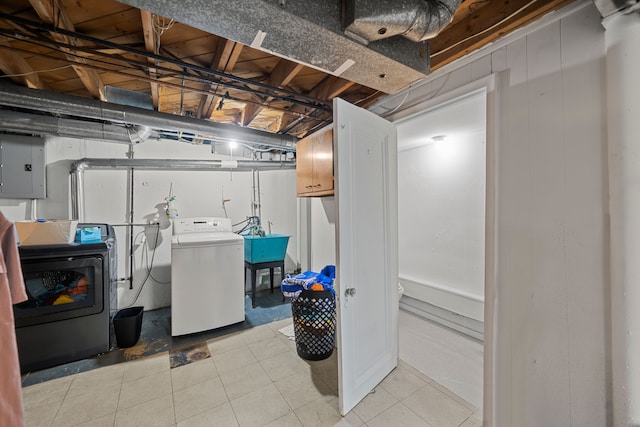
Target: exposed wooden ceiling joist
327	89
281	76
151	46
77	46
52	12
225	58
17	67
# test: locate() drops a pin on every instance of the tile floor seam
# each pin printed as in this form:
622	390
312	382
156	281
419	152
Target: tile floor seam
173	394
118	399
465	420
228	402
61	402
282	396
195	414
414	412
226	393
148	399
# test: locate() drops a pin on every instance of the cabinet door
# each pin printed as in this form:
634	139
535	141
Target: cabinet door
314	164
304	165
323	163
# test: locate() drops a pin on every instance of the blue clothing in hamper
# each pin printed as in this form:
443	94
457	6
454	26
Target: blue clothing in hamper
291	286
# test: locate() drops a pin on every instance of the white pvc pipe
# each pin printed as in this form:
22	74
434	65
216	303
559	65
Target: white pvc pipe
623	134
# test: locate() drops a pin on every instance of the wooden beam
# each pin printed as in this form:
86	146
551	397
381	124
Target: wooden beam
284	72
225	58
52	12
326	90
250	111
12	64
280	76
476	25
150	46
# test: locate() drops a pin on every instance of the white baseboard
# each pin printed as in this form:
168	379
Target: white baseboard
447	297
465	325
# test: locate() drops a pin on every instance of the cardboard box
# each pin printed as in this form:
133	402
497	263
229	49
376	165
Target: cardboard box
49	232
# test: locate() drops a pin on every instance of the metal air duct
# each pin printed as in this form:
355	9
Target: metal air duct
37	124
305	31
417	20
610	7
39	100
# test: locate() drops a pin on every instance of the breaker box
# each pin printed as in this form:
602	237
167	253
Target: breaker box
22	167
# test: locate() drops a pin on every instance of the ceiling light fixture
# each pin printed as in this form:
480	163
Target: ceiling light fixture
438	138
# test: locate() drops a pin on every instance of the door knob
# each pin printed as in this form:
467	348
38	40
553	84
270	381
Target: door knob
350	292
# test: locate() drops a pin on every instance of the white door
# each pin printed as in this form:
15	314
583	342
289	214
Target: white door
367	250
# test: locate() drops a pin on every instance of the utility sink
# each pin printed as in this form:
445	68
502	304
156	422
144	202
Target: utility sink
269	248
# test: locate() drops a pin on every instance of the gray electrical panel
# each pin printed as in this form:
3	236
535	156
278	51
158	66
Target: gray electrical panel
22	167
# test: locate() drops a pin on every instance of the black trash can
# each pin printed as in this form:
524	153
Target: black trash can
314	324
127	324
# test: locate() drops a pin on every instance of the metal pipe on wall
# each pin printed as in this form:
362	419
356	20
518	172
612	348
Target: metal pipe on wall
78	168
131	218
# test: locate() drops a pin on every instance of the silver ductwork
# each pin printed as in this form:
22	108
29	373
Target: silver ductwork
309	32
145	120
417	20
78	168
36	124
611	7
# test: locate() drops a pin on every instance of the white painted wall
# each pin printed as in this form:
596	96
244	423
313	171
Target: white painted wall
322	232
623	108
197	193
548	343
441	208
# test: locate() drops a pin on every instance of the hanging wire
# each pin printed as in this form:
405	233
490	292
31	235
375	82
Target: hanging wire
148	267
159	28
36	71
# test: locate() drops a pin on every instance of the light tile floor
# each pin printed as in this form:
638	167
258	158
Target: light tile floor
253	378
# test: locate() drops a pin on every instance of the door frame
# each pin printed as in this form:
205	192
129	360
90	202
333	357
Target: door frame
496	87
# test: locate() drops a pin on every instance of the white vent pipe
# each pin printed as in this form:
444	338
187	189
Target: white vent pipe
78	168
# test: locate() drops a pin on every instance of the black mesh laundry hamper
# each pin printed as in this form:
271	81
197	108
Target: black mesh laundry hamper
314	324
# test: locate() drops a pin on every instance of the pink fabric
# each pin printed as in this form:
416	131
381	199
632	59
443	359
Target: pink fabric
12	291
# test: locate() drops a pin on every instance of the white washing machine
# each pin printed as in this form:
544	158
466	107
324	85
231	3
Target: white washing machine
207	275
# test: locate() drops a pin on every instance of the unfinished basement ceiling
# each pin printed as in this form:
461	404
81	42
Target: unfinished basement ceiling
269	65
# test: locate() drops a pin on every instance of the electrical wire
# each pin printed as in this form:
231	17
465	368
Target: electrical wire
36	71
241	222
159	29
277	92
149	266
406	95
148	270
